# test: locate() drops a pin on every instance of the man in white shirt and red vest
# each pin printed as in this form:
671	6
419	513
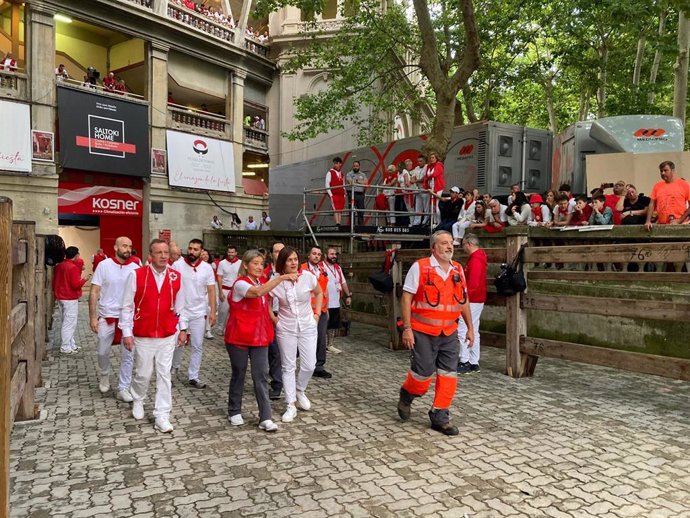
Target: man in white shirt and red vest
334	187
152	314
434	298
105	305
226	273
199	287
337	288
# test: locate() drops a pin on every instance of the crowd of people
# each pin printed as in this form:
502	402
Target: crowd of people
264	224
269	306
413	195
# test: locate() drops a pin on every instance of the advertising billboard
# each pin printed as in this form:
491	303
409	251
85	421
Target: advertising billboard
200	162
15	137
103	133
99	200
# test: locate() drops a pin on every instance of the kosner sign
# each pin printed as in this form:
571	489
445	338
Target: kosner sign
99	200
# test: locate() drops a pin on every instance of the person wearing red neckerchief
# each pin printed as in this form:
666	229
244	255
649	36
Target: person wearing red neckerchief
152	321
435	182
67	288
226	274
97	258
335	189
275	366
316	266
199	287
105	304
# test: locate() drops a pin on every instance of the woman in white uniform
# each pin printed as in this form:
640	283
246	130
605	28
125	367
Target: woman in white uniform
296	329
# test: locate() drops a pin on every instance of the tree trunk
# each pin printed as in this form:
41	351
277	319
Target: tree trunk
602	78
469	106
548	89
680	69
439	137
657	56
459	117
584	106
639	55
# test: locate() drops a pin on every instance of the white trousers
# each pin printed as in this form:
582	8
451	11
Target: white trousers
289	344
459	228
106	333
150	352
470	354
391	208
195	331
421	205
223	310
70	312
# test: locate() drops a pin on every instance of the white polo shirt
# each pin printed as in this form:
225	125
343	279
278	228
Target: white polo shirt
111	276
294	304
335	283
195	283
412	278
228	271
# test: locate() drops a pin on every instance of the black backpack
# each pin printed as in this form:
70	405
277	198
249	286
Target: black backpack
511	280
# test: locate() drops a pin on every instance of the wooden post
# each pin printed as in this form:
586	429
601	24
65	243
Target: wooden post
5	350
40	315
24	287
516	317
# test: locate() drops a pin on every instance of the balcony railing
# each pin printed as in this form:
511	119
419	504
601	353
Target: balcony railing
100	89
200	22
13	84
256	138
197	121
143	3
257	48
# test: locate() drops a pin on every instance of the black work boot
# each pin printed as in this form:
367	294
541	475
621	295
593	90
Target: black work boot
440	422
405	404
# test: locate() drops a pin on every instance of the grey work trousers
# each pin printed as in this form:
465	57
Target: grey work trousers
321	342
239	357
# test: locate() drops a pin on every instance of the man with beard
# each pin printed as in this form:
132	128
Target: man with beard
275	368
226	273
199	287
152	321
337	285
434	297
105	304
317	267
356	183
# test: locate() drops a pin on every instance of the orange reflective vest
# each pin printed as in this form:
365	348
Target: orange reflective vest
323	282
437	305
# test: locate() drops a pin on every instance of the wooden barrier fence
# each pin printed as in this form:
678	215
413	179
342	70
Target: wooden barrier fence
25	312
587	258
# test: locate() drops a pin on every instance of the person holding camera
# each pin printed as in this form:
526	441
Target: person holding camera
434	298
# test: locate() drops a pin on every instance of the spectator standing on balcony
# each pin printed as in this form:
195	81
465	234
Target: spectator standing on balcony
435	179
109	83
120	87
248	121
669	197
356	182
8	64
67	286
216	223
421	203
262	124
475	273
335	189
265	223
635	207
88	84
61	73
390	178
171	99
250	224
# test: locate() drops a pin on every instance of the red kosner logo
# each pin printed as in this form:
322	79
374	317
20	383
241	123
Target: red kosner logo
106	204
466	150
650	132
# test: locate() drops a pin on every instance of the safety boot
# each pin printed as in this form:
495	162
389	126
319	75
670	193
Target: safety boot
404	404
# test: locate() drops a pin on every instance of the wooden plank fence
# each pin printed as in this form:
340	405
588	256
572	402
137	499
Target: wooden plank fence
582	259
25	312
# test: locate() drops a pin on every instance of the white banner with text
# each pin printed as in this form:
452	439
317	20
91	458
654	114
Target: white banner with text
199	162
15	137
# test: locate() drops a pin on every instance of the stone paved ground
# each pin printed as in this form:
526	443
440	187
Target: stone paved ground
573	441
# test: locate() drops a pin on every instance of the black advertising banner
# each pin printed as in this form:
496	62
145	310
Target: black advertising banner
103	133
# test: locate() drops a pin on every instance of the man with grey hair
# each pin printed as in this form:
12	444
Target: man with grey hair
434	298
175	252
475	273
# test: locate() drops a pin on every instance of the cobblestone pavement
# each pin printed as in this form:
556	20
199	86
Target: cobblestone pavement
573	441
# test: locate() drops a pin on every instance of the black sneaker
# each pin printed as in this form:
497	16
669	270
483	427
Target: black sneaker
474	367
322	374
404	405
274	395
197	384
445	428
464	367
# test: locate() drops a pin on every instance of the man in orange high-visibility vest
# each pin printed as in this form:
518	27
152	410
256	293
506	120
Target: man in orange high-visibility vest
434	298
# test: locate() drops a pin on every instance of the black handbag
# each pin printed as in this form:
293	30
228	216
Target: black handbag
383	281
511	279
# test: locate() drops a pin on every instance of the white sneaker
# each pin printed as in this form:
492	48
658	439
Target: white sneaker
289	414
268	426
104	383
138	410
124	395
67	351
303	401
333	349
456	242
209	334
236	420
163	425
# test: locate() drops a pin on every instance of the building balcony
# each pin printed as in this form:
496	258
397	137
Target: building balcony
200	22
198	122
148	4
256	139
14	85
257	48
